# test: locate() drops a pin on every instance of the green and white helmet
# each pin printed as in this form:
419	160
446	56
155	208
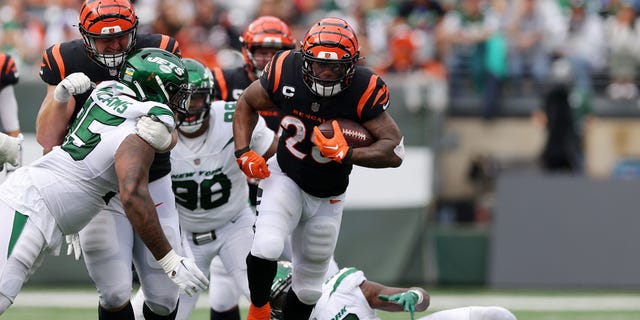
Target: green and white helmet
157	75
279	289
202	79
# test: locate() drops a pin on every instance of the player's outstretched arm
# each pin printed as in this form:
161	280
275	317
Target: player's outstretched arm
387	151
395	299
132	161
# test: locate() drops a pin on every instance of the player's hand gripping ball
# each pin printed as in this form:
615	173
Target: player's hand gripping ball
338	147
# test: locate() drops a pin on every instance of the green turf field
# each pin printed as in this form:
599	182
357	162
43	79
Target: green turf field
81	303
22	313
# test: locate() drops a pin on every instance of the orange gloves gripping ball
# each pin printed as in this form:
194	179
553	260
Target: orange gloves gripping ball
334	148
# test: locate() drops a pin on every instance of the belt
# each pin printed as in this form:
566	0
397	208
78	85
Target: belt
200	238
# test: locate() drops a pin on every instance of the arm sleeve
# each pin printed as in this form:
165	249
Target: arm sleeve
8	110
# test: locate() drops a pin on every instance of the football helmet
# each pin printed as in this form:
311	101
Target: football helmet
279	289
108	19
153	74
329	47
264	32
202	80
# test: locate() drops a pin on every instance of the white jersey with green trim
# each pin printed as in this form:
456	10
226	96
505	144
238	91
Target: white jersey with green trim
75	179
209	186
342	298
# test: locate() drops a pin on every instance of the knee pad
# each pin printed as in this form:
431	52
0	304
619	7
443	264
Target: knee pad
115	296
308	296
319	239
26	257
269	241
307	281
5	303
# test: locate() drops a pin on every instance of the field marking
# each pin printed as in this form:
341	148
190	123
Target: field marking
608	302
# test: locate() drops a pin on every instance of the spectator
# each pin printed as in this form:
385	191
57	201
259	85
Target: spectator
585	48
622	33
527	53
465	31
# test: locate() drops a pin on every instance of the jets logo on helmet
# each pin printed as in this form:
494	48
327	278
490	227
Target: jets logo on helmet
202	80
113	20
153	74
264	32
330	44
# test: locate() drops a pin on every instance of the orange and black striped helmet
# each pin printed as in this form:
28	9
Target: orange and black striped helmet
108	19
264	32
331	43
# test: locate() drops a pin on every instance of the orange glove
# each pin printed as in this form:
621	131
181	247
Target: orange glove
335	148
252	164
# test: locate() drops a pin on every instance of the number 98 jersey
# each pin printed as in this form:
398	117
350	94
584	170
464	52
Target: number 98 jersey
209	187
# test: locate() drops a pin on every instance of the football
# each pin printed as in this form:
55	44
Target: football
357	135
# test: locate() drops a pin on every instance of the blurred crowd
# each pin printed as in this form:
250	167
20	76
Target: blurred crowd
476	44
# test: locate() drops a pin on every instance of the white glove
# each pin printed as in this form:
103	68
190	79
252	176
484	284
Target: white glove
11	167
73	245
75	83
184	273
11	149
154	132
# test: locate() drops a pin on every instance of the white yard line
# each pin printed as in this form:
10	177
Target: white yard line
89	299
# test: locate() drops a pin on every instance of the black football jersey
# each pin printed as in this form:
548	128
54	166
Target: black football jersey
8	71
229	85
63	59
300	110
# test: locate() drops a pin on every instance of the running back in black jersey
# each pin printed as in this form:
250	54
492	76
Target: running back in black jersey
300	110
63	59
8	71
229	85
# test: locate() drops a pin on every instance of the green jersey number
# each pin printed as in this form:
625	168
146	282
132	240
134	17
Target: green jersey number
83	136
214	192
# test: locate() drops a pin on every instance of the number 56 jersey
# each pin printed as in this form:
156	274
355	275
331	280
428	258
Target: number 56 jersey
209	187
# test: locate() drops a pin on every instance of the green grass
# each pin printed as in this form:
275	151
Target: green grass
22	313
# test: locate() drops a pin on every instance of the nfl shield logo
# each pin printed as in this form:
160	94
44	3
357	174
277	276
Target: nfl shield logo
113	72
315	107
196	162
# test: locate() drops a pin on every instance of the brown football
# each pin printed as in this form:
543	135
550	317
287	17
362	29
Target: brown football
357	135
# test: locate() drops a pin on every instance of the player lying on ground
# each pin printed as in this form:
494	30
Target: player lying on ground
349	295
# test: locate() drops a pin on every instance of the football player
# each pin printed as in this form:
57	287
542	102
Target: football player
303	188
109	32
261	39
349	295
210	189
9	123
101	155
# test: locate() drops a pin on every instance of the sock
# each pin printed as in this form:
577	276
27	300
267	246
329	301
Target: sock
125	313
231	314
260	273
150	315
294	309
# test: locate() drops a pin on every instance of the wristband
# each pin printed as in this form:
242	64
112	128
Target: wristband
240	152
169	261
420	296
